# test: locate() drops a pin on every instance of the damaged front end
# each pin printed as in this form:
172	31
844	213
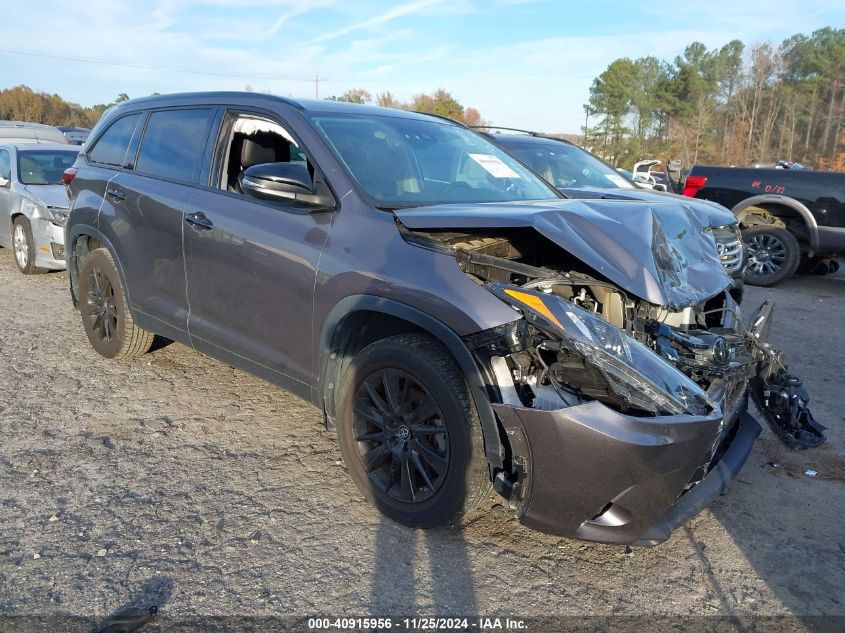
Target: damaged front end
623	417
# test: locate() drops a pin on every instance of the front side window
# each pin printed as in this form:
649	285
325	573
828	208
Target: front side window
43	167
405	162
173	144
252	140
112	146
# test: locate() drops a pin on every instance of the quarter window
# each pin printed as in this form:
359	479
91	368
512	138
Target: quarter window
174	143
5	164
112	146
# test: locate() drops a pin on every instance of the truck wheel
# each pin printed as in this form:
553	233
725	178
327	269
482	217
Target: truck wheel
409	432
105	315
24	247
773	254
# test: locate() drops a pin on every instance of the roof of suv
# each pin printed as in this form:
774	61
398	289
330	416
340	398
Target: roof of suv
529	138
44	146
309	105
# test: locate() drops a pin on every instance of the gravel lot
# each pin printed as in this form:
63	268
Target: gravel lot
174	480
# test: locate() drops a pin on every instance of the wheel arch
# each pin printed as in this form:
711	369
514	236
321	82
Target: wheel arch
358	320
789	207
82	239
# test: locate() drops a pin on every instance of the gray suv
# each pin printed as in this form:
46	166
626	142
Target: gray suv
463	327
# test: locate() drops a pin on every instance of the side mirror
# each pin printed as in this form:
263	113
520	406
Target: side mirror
4	182
277	181
660	187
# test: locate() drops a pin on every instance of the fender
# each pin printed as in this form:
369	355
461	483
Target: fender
477	385
72	265
145	321
784	201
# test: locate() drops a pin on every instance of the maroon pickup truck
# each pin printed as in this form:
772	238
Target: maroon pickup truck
788	217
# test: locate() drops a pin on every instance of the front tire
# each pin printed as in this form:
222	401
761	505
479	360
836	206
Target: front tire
23	246
105	315
773	254
409	432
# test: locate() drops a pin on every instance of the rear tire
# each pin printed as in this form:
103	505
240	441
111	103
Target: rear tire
405	410
105	314
23	246
773	254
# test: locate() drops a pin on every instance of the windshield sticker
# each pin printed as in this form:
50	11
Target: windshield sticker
494	166
619	181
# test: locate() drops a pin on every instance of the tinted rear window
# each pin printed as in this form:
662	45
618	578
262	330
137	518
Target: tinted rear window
44	167
174	143
111	147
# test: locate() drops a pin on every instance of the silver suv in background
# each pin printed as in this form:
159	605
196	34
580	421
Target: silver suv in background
34	204
74	135
23	132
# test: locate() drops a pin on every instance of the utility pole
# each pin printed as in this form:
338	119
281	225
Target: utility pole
317	86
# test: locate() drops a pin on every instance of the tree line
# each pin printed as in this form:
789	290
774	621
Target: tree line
440	102
733	105
22	103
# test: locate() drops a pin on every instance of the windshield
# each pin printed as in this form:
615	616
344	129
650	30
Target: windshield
44	167
403	162
565	165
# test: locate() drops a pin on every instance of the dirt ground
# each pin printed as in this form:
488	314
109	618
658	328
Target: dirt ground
176	481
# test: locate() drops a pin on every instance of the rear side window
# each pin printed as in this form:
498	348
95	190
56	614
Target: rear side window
174	143
111	147
5	164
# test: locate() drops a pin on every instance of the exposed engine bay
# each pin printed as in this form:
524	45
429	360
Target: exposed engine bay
586	338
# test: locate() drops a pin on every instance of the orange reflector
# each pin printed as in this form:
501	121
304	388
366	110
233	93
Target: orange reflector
535	303
44	248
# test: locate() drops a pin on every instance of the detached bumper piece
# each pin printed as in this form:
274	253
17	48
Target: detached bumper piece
592	473
778	394
783	402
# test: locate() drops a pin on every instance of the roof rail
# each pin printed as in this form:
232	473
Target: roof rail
445	118
506	129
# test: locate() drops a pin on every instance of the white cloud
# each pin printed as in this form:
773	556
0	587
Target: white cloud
513	77
392	14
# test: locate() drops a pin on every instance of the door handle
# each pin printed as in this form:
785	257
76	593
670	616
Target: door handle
116	194
199	221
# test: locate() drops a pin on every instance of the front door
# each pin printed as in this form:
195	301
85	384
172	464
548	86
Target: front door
252	264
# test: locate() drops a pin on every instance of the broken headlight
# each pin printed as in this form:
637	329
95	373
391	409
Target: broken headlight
633	371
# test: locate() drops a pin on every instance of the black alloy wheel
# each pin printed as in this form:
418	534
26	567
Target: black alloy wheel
409	431
773	254
106	317
100	307
401	438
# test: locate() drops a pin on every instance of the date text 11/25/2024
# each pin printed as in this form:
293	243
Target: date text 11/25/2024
417	624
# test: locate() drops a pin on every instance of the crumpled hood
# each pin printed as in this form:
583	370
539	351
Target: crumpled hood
656	251
712	214
48	195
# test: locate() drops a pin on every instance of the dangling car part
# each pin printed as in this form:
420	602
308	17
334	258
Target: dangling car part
779	395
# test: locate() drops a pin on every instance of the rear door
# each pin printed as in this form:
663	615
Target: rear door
147	210
251	266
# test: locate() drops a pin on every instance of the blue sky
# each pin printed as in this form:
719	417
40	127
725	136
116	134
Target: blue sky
522	63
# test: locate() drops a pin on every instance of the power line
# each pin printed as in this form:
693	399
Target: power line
106	62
